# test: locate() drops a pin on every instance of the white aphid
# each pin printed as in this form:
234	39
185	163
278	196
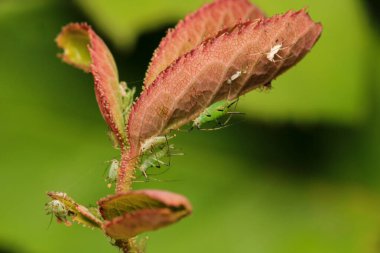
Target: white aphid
113	170
151	142
234	77
274	51
57	208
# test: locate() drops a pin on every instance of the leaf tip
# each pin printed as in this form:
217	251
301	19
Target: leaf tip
74	40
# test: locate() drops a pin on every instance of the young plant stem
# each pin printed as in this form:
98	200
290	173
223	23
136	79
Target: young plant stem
126	172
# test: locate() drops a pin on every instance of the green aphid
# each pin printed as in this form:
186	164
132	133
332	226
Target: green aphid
154	142
214	112
154	159
113	170
59	210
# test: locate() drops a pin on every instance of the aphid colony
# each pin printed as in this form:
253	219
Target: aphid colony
154	152
156	149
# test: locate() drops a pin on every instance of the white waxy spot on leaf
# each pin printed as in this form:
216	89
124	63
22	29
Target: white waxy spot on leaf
234	77
273	52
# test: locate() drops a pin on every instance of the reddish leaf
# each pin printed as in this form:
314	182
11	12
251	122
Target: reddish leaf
224	67
132	224
195	28
121	203
84	49
134	212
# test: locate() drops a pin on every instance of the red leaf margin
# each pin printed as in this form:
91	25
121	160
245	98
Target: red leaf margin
204	23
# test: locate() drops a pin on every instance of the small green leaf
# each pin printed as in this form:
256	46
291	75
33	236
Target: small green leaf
134	212
74	40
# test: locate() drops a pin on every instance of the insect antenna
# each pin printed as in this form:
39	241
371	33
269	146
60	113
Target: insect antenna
152	179
50	222
169	153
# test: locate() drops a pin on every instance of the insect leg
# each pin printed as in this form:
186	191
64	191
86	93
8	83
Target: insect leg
168	153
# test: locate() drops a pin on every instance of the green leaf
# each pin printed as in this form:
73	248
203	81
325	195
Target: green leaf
131	213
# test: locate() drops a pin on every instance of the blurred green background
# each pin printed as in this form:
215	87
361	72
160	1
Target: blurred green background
300	172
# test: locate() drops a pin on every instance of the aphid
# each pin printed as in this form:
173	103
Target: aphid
214	112
218	109
58	209
274	52
155	159
123	88
150	143
234	77
112	172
